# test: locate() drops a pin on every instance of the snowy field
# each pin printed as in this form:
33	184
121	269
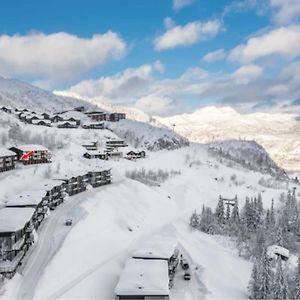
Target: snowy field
110	222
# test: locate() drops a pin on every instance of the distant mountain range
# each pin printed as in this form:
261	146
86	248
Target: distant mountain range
277	133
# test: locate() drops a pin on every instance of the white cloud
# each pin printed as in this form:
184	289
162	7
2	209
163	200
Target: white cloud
214	56
123	85
189	34
178	4
247	73
155	104
285	11
283	42
58	56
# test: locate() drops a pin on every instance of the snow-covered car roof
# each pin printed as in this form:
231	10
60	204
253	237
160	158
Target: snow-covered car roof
156	249
14	219
144	277
27	198
6	152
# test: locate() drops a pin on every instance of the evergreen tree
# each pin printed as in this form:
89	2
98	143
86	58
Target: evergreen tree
254	284
235	213
297	281
194	220
279	288
265	276
220	211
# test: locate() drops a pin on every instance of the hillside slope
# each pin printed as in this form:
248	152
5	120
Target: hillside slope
277	133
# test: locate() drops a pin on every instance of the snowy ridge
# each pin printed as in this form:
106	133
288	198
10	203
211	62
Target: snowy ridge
277	133
15	93
145	135
249	154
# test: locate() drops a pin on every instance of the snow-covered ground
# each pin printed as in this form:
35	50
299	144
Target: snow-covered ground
110	222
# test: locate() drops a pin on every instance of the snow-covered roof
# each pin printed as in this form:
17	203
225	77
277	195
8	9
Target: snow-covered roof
156	249
73	114
27	198
14	219
94	152
144	277
64	122
31	147
6	152
274	249
47	184
41	120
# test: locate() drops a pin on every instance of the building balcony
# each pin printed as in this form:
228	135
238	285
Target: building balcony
7	266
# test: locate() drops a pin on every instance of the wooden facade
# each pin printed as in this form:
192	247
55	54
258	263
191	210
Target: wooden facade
7	160
40	154
16	236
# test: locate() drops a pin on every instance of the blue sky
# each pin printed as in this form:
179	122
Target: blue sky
163	56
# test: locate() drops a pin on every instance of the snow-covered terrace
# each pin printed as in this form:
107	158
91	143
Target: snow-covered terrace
144	278
14	219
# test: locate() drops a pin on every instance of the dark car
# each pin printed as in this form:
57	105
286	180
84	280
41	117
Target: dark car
184	264
187	275
68	222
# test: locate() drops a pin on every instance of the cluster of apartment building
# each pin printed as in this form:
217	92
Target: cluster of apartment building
111	150
65	119
23	213
26	154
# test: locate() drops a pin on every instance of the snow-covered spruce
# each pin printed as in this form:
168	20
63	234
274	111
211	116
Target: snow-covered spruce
249	154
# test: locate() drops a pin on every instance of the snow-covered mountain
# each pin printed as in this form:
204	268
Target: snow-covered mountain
16	93
248	154
277	133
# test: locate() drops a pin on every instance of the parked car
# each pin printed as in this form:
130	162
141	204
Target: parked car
187	275
68	222
184	264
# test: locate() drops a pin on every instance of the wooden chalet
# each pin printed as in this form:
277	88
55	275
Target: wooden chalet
112	144
41	122
36	154
115	117
132	155
56	118
79	108
90	146
46	116
96	115
73	120
16	236
93	125
94	154
7	160
6	109
67	124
